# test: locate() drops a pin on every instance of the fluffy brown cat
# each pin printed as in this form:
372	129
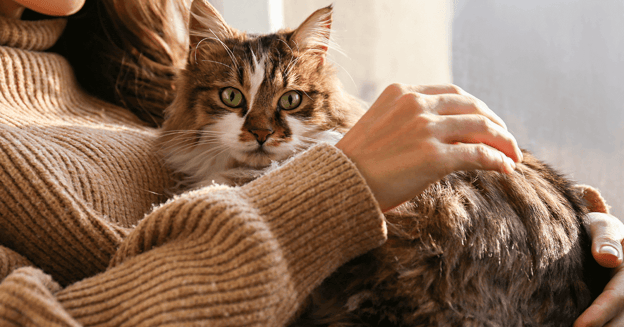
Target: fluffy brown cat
245	101
475	249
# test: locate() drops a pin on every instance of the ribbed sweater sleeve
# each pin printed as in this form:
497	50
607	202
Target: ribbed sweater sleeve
236	256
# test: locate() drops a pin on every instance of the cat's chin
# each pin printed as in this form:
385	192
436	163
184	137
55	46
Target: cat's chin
257	158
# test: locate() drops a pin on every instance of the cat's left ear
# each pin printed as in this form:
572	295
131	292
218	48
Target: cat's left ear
206	24
313	33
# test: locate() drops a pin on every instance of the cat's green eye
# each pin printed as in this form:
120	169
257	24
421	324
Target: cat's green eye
232	97
290	100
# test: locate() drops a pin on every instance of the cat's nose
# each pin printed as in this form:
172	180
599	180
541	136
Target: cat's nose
261	134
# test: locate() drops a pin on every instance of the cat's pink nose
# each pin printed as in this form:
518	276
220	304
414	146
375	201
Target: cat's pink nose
261	134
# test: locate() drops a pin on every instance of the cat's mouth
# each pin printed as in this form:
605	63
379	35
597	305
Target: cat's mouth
260	150
258	156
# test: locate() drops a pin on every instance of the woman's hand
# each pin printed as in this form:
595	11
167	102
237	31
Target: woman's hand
607	234
413	136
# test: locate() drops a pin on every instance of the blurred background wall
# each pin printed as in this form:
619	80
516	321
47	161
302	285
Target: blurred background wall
552	69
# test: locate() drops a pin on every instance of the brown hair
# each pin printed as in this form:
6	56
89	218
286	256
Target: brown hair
127	52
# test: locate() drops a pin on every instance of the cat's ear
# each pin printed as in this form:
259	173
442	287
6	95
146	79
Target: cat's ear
205	23
313	33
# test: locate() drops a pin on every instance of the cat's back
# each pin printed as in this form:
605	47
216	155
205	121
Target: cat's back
475	249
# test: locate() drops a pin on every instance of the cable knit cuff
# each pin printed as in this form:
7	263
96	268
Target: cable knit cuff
321	220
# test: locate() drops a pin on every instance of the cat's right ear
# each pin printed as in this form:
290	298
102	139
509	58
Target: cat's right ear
206	24
313	34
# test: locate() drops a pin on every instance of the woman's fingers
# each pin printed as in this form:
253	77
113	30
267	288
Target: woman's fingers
478	129
478	156
414	135
439	89
607	233
437	99
453	100
457	104
607	309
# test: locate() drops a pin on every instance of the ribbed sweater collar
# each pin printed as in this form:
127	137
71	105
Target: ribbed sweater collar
30	35
40	87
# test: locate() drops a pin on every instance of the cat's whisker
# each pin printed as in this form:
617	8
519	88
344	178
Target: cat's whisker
205	153
173	151
289	67
290	62
296	44
175	144
197	48
211	132
305	138
346	71
217	62
209	154
227	49
297	86
208	142
178	132
206	138
291	50
294	62
300	88
192	134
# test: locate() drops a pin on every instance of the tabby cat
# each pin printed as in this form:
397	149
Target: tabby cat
475	249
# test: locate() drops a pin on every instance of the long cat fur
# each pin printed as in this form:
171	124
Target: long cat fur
475	249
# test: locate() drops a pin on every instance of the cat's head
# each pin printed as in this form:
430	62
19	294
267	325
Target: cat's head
254	99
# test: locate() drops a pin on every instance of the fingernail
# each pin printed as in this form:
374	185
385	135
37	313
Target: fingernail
608	249
511	165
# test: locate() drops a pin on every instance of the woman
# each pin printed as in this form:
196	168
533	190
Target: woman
77	176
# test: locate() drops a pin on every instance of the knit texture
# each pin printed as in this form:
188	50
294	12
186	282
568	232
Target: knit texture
81	242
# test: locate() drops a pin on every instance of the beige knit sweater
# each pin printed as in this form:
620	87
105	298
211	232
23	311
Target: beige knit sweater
82	244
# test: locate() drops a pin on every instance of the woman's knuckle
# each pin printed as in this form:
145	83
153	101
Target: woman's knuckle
483	154
395	88
483	123
478	103
425	123
455	89
410	101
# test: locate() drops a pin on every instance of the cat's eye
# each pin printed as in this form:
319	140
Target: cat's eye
232	97
290	100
